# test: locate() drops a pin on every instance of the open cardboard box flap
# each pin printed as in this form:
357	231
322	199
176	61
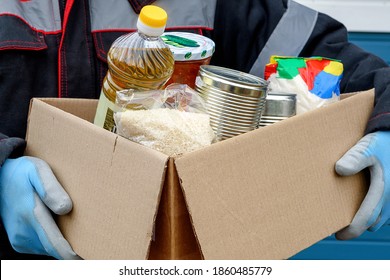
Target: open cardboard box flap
115	184
266	194
272	192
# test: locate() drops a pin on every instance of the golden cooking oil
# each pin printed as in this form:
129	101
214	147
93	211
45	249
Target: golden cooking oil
139	61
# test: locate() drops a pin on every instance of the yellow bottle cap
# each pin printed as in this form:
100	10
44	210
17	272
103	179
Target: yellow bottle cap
153	16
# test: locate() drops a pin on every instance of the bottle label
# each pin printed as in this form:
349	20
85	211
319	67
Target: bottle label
105	113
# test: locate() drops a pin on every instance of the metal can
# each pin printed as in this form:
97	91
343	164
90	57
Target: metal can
278	106
234	99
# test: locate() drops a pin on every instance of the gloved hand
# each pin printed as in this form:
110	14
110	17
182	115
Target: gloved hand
28	189
372	151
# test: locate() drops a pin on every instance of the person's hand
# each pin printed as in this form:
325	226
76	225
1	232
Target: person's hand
372	151
28	189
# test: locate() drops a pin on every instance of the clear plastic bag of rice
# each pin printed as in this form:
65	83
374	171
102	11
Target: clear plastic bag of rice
172	121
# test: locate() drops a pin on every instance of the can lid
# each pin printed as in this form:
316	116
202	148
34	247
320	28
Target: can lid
280	104
231	80
188	46
284	96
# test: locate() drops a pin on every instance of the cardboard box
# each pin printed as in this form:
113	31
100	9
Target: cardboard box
266	194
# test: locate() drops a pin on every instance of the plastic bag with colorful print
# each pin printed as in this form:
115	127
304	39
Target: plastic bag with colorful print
315	80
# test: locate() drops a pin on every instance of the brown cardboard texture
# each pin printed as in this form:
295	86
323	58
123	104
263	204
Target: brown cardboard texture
266	194
115	184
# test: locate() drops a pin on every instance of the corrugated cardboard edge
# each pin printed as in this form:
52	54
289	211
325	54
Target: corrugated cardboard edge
242	211
95	224
174	237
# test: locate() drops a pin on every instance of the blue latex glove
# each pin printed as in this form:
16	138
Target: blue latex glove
372	151
28	189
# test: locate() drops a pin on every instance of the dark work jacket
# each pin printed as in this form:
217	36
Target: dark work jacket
63	52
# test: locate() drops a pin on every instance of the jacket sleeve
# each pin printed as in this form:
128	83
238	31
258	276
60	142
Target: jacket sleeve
362	70
10	147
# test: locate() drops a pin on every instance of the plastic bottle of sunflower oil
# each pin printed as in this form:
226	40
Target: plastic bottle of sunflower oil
139	61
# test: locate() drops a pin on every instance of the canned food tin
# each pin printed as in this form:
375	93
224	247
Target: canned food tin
235	100
278	106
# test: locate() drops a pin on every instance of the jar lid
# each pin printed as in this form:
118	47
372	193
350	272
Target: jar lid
188	46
